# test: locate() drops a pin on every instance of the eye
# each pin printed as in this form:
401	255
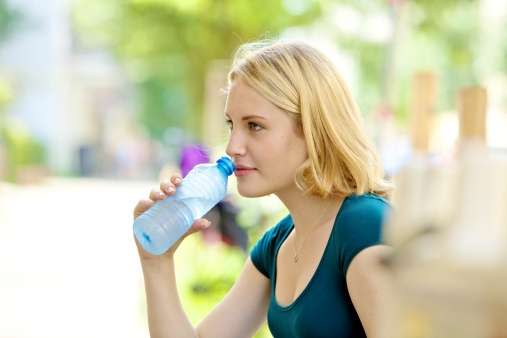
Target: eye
254	126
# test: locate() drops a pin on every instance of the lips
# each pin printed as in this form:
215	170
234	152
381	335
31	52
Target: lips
242	170
243	167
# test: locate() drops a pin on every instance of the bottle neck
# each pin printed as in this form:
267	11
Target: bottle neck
225	165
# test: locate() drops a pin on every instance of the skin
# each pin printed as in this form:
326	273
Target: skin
271	144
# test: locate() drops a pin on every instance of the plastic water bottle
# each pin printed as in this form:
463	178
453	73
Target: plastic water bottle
159	227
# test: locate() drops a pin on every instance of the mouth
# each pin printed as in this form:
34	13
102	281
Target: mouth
242	171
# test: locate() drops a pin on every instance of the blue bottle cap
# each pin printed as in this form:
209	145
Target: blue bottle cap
226	165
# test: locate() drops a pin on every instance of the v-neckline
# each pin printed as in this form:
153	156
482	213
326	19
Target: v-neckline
314	276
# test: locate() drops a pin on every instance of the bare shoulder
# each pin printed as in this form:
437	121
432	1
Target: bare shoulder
367	284
368	260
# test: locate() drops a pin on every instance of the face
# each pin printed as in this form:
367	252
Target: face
264	143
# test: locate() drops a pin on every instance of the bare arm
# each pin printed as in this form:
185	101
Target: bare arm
366	282
166	317
238	315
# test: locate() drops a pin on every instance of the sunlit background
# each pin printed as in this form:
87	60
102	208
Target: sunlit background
99	97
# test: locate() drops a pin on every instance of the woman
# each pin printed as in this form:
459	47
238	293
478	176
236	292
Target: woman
294	132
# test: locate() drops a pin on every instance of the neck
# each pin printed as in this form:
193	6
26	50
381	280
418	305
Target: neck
306	210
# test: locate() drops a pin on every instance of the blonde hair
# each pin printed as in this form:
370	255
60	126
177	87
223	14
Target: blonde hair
303	82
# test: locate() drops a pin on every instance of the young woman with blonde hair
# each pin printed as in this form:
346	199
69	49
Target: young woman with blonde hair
295	132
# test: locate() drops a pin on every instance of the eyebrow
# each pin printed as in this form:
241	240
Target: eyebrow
248	117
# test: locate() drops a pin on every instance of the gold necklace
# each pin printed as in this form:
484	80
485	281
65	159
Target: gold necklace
318	225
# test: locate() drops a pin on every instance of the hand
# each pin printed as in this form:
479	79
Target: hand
167	188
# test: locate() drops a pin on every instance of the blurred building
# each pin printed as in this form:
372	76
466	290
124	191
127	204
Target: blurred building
71	99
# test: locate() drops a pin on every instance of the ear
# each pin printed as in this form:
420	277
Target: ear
298	127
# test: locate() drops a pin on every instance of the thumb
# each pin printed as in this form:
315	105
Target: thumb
202	223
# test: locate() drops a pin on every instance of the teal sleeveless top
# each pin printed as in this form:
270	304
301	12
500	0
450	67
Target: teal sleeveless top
324	308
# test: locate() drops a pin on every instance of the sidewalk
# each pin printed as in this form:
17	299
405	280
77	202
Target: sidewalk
68	265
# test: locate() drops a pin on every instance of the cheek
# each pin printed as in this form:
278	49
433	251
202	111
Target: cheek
292	150
284	146
285	156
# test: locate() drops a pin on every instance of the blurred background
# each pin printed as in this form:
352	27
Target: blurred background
98	99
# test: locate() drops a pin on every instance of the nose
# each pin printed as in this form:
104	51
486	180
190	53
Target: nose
236	147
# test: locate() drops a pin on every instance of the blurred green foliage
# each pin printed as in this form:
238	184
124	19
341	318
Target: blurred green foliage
160	105
167	45
214	270
22	150
9	19
444	39
6	93
441	36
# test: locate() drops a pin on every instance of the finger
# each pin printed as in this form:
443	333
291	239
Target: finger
198	225
167	187
176	180
157	195
142	206
201	223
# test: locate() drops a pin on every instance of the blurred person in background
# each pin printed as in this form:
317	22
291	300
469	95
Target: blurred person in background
295	132
224	227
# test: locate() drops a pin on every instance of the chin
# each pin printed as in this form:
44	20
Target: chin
252	191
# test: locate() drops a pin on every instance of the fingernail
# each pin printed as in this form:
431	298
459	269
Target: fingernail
160	194
170	189
177	180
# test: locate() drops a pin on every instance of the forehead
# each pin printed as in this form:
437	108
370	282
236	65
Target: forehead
243	100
